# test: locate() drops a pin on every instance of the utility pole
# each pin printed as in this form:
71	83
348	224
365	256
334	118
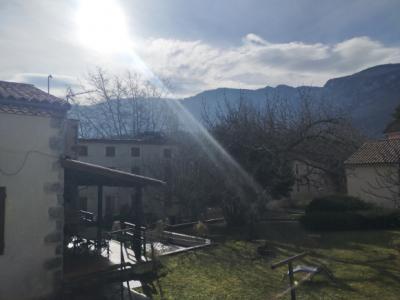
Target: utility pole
48	83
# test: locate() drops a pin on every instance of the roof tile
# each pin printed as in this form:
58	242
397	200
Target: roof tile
376	152
23	92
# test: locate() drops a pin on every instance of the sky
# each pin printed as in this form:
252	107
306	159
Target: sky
196	45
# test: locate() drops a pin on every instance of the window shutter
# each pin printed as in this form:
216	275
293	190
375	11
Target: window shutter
2	217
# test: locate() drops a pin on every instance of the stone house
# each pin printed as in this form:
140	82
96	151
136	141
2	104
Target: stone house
309	183
32	127
372	172
39	191
146	155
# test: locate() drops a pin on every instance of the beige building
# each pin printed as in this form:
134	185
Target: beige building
309	183
148	155
32	125
373	171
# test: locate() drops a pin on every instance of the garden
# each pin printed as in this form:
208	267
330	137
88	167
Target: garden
358	264
364	265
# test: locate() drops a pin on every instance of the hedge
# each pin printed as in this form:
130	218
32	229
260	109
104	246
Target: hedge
337	203
342	212
355	220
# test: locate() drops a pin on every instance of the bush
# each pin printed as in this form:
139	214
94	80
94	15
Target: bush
337	203
352	220
381	218
332	220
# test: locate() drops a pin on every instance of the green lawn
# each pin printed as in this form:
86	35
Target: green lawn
366	265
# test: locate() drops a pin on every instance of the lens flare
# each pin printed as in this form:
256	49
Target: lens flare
101	26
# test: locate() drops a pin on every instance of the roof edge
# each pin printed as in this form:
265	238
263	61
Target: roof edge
40	105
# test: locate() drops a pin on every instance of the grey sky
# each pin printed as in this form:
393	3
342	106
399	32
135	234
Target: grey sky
197	44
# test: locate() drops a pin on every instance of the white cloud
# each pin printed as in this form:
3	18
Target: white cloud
38	38
193	66
34	45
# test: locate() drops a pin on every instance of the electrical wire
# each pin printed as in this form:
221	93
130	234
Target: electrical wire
24	161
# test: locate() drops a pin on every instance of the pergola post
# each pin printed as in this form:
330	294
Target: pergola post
99	215
139	220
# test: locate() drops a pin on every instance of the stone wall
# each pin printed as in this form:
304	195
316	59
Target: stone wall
30	148
369	184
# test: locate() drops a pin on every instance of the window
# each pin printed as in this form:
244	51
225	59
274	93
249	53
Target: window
135	170
135	151
2	217
167	153
110	205
83	203
82	151
110	151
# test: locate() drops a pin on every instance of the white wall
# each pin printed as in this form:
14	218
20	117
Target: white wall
309	183
30	267
151	163
368	183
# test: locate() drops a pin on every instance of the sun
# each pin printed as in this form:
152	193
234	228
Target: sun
101	26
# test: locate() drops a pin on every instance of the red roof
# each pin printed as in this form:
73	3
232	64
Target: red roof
376	152
28	94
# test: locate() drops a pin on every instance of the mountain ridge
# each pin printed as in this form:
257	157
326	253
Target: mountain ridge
370	95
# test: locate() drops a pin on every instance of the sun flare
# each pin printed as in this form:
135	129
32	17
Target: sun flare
101	26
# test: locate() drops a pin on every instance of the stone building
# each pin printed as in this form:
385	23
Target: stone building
39	189
309	183
147	155
32	127
372	172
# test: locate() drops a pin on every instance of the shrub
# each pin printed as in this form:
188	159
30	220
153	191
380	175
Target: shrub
381	218
201	229
337	203
352	220
332	220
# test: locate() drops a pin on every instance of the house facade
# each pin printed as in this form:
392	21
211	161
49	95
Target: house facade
372	172
149	155
32	128
309	183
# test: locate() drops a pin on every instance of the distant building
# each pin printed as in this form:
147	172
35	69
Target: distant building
32	127
372	172
147	155
310	182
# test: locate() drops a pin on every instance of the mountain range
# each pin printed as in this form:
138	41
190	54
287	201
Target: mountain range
369	96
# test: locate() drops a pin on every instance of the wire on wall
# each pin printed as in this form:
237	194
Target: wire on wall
24	161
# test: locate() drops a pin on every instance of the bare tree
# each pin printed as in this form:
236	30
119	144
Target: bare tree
122	106
267	138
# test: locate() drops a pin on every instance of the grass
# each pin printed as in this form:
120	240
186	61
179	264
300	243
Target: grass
366	265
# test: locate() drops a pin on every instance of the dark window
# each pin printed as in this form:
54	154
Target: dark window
135	170
167	153
110	205
135	151
83	203
110	151
82	151
2	217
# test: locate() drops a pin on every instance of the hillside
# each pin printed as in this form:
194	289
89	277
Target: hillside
370	96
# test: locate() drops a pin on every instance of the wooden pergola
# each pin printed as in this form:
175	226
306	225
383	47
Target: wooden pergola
78	173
